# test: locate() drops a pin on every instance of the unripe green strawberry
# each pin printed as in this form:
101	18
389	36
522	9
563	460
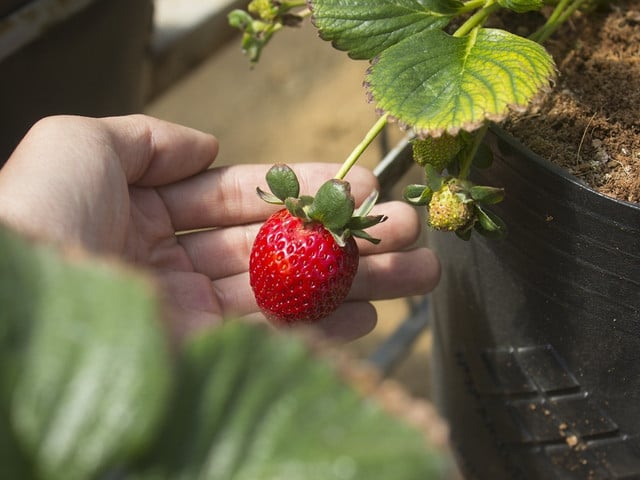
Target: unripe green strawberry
298	271
450	209
437	152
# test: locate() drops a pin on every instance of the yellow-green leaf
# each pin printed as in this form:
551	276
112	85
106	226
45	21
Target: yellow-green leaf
434	82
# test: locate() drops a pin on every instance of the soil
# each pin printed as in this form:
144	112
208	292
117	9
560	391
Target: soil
589	122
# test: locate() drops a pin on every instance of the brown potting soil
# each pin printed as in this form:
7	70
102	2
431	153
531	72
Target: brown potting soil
589	121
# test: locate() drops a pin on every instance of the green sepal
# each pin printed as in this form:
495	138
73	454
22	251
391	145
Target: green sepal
364	235
333	205
417	195
283	181
340	237
298	206
360	223
361	219
435	181
489	224
464	234
487	195
268	197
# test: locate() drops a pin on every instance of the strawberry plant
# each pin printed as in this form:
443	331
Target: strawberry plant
439	72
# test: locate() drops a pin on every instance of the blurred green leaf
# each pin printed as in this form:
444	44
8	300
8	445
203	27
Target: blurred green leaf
85	389
255	406
85	371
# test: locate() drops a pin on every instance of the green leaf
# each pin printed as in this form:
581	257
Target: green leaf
84	363
464	234
434	82
333	204
252	405
283	181
485	194
417	194
489	224
298	206
364	28
268	197
365	236
361	223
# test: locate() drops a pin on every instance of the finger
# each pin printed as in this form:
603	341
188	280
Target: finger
234	295
225	251
221	252
154	152
396	275
379	277
399	231
227	195
349	322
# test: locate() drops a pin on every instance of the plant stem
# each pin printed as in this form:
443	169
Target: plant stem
560	14
476	19
468	159
472	5
362	146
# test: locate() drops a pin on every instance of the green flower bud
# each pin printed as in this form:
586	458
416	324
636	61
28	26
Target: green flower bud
264	9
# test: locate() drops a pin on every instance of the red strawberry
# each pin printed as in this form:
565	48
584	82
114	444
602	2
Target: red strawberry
298	271
304	257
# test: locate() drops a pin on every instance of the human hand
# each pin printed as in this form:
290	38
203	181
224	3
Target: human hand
126	185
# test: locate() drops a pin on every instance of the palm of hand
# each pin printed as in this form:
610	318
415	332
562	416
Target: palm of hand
126	185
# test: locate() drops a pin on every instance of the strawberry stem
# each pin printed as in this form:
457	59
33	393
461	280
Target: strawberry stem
561	13
473	149
362	146
477	19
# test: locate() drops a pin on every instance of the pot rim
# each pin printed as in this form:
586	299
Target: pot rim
541	161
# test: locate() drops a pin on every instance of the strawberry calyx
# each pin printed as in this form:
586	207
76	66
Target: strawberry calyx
333	204
457	205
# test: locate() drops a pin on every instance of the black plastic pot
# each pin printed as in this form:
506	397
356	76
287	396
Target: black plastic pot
537	336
